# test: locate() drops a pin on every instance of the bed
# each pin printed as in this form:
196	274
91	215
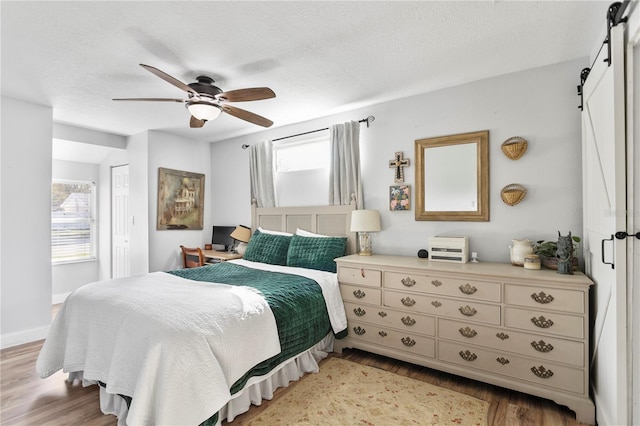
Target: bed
197	346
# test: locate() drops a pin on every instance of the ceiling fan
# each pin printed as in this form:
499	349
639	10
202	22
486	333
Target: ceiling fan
206	101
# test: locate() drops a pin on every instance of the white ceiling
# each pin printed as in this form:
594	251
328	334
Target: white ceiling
319	57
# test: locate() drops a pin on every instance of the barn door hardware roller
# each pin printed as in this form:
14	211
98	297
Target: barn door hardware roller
614	17
623	234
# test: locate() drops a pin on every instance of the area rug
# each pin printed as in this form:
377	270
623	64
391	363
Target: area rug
347	393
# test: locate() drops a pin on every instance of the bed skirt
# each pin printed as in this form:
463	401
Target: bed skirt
256	389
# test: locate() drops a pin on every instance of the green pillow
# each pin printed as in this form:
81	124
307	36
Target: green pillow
316	253
268	248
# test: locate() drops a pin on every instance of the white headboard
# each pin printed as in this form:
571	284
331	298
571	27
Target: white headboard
334	221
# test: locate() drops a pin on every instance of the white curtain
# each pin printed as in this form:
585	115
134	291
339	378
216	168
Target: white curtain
344	177
261	169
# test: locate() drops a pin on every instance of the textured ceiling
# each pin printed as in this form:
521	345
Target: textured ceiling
319	57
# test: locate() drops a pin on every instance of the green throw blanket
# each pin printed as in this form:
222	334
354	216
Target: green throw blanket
297	304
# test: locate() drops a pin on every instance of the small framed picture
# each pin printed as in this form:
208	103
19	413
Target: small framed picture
400	197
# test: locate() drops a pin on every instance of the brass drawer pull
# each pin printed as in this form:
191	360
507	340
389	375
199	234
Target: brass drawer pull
436	283
408	321
382	333
359	330
359	294
407	301
502	360
436	304
542	372
542	322
362	272
502	336
408	341
468	356
359	312
541	346
468	289
467	311
382	314
408	282
542	298
467	332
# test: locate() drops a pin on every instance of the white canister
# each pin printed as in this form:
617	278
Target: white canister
519	250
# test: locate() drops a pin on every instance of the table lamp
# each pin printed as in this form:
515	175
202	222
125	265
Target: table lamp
363	222
242	234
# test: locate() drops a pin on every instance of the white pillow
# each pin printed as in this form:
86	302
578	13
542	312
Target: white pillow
269	231
303	233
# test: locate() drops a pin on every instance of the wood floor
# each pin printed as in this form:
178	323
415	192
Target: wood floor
28	400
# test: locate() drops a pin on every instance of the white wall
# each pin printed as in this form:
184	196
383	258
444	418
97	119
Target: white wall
539	105
25	226
69	276
177	153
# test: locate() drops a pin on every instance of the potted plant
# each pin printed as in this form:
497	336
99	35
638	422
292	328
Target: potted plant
547	252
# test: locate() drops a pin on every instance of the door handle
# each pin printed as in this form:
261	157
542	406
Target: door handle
602	252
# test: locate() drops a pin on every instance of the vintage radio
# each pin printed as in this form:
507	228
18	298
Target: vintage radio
449	249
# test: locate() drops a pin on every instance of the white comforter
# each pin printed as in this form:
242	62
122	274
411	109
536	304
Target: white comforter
144	335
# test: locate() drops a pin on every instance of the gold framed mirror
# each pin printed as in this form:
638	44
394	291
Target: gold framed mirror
452	177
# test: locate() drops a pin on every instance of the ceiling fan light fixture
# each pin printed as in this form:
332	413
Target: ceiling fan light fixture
204	110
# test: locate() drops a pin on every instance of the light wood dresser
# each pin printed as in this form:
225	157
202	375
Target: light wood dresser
521	329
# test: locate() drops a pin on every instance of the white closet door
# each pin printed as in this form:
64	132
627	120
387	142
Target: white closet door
120	254
604	199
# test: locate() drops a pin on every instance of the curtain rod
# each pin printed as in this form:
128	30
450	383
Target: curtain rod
367	120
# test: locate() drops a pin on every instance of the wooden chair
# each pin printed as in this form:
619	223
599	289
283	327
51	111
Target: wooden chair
192	257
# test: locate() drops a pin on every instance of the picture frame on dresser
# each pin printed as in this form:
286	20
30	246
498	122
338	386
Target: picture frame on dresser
526	330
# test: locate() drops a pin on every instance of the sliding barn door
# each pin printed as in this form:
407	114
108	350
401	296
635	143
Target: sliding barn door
633	203
604	198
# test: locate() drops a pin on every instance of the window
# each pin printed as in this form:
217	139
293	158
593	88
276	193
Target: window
306	154
302	170
72	221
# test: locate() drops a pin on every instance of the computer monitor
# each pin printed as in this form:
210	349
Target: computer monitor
221	236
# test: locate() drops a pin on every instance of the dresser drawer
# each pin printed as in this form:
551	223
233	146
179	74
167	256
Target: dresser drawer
361	294
545	322
389	318
477	290
360	276
442	306
532	345
556	299
524	369
395	339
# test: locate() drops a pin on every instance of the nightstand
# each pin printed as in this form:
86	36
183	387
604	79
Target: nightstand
213	256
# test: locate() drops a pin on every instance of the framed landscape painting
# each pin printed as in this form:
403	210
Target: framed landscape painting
180	199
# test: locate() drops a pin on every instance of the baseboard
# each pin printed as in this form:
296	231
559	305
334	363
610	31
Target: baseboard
14	339
59	298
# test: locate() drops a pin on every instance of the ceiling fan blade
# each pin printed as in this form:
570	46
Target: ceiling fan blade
196	123
151	99
247	116
166	77
243	95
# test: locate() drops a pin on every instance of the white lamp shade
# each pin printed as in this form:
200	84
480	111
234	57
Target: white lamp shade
204	111
365	221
